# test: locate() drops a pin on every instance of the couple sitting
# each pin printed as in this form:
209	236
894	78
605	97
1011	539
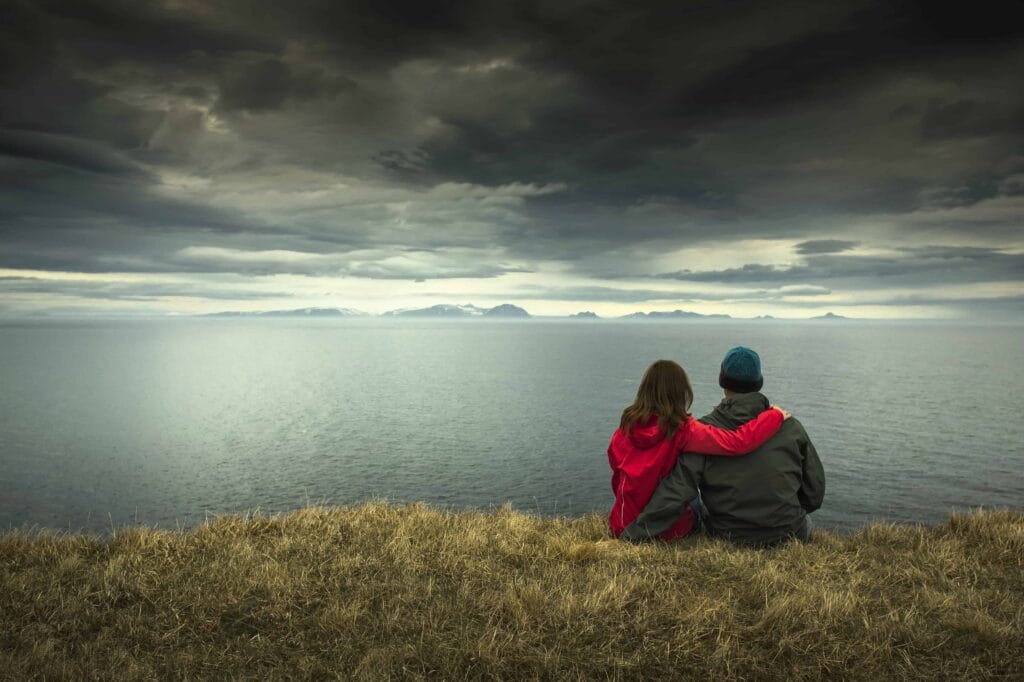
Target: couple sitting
663	491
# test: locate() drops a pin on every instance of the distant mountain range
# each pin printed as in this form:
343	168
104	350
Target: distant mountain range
466	310
440	310
505	310
297	312
674	315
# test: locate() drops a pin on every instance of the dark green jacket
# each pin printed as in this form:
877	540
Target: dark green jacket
760	498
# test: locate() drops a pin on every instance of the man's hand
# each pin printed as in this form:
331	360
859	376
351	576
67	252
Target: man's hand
785	413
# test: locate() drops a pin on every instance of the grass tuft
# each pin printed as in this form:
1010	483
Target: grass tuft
380	591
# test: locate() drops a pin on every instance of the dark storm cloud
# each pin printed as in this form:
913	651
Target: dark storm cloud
918	266
129	291
824	246
132	133
417	265
269	83
104	32
631	74
67	151
872	39
68	197
969	118
53	54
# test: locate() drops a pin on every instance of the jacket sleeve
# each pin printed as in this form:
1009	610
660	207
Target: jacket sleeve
668	502
812	482
711	440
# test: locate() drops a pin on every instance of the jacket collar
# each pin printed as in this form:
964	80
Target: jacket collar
743	406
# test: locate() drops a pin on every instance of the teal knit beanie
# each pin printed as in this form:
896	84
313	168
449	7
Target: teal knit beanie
741	371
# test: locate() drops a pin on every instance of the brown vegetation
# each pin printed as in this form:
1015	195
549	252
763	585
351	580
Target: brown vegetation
381	591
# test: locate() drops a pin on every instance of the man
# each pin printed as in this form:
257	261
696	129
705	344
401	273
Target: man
758	499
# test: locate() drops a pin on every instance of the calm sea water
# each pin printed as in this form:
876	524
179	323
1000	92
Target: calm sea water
165	421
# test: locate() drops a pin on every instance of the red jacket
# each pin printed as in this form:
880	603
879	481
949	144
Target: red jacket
640	460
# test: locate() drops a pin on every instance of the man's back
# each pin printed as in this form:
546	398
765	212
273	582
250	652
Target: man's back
758	498
767	494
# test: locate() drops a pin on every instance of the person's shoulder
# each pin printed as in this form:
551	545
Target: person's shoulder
794	428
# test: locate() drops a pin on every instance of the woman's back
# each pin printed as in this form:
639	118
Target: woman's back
639	461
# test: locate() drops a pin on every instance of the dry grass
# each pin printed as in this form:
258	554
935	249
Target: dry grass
380	591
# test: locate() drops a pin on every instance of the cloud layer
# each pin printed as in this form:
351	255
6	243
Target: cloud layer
835	155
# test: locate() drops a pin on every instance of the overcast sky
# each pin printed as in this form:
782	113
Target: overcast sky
784	158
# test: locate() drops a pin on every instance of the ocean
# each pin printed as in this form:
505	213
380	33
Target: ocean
164	422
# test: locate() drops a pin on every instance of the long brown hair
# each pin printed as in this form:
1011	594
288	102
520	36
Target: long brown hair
664	391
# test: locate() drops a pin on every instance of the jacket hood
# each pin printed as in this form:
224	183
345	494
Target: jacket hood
646	434
741	408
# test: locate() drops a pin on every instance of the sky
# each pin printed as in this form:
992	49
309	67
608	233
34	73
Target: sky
747	158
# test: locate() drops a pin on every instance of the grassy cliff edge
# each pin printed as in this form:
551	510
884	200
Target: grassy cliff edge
380	591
